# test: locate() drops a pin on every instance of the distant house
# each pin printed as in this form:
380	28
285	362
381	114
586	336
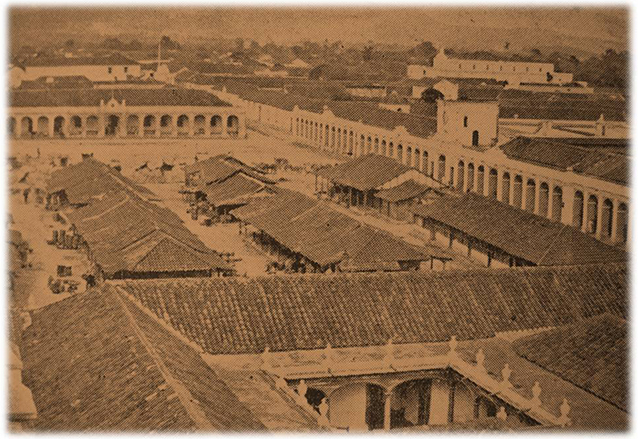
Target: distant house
115	67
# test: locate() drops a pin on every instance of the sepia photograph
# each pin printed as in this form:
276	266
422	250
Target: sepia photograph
323	218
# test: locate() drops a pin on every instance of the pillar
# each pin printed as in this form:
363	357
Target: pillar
158	125
387	410
586	195
524	192
83	123
614	220
599	217
550	200
191	125
537	196
140	130
224	125
100	125
499	184
51	125
567	216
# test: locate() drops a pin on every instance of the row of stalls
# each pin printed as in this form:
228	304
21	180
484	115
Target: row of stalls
377	183
123	231
219	184
305	235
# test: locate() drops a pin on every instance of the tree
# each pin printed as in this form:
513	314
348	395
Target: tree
431	95
169	44
69	44
367	53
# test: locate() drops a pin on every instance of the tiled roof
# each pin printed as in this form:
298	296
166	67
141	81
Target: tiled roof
284	313
236	189
68	82
96	363
517	232
563	155
115	59
592	354
127	234
91	179
222	166
405	191
325	236
365	172
559	106
90	97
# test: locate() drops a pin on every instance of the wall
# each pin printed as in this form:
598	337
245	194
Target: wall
348	407
481	117
94	73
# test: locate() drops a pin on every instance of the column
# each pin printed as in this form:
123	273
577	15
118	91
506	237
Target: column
207	119
140	131
191	125
614	220
83	123
51	125
567	216
224	125
550	200
476	179
537	196
512	179
175	130
599	217
158	125
499	184
524	192
387	410
585	211
466	176
100	125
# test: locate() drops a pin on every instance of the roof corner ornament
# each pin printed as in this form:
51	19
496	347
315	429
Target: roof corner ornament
535	402
323	412
453	345
502	414
506	373
564	413
302	389
327	356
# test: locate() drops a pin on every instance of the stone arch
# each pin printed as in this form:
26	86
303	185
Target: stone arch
199	125
505	188
592	214
480	180
410	403
543	200
460	175
400	153
376	145
59	126
150	124
42	126
384	148
112	127
606	218
470	177
492	184
557	204
166	125
132	125
11	126
391	149
26	127
441	171
622	223
530	195
216	124
92	125
75	125
517	196
183	124
357	406
233	125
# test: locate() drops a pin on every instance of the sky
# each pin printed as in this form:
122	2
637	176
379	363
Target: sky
588	29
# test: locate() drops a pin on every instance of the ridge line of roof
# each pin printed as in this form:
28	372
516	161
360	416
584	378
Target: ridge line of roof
182	392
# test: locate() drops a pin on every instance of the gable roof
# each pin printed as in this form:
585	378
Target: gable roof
91	97
221	167
529	237
592	354
326	236
365	172
404	191
109	60
306	312
236	189
95	363
564	156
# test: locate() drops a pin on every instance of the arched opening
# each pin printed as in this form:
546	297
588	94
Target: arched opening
42	128
578	210
233	126
417	159
11	126
530	195
327	139
384	148
475	138
480	180
339	140
376	145
75	126
492	184
216	124
183	125
296	127
59	126
112	127
26	127
333	139
606	218
199	125
460	172
622	223
166	125
592	214
441	170
314	397
351	143
150	125
132	125
357	407
470	177
505	188
92	126
400	153
557	204
362	146
391	150
410	403
465	121
543	200
408	156
369	145
426	164
517	196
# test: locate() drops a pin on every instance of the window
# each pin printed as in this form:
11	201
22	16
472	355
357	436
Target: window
459	66
474	66
125	69
501	68
540	70
487	67
475	138
465	121
110	70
